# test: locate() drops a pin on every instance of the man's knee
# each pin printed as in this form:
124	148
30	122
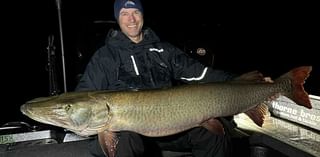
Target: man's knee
205	143
130	144
95	148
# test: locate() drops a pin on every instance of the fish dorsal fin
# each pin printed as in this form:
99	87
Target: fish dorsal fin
214	126
258	113
108	142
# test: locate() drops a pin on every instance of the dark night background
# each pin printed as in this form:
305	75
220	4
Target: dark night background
270	37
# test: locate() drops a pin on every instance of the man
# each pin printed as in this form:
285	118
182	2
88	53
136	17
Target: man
135	58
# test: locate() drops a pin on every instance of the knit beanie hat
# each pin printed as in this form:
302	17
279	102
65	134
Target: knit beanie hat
119	4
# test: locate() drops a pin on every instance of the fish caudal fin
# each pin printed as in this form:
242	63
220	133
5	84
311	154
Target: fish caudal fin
258	113
298	77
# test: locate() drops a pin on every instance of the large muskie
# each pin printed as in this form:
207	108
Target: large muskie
162	112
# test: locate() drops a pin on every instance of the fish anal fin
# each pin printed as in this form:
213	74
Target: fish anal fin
214	126
108	142
258	113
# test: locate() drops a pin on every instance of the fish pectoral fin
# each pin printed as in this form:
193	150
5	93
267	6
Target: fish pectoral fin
214	126
258	113
108	142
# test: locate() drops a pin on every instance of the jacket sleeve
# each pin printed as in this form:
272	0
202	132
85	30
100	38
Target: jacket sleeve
188	70
93	77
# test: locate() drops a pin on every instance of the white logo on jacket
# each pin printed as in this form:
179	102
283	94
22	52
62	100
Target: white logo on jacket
155	49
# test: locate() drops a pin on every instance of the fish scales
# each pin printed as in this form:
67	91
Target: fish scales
165	112
162	112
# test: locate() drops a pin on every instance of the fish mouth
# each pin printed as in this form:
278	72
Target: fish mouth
34	114
26	111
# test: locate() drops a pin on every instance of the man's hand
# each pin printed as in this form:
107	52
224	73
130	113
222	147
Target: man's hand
253	76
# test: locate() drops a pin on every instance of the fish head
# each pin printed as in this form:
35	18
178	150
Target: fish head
75	112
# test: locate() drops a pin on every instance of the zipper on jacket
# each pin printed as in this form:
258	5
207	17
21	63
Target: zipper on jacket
134	65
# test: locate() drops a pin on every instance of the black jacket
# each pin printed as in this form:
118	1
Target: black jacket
121	64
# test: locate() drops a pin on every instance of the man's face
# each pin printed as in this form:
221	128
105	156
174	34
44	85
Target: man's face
131	22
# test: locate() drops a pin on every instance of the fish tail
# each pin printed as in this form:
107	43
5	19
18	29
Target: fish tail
298	76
